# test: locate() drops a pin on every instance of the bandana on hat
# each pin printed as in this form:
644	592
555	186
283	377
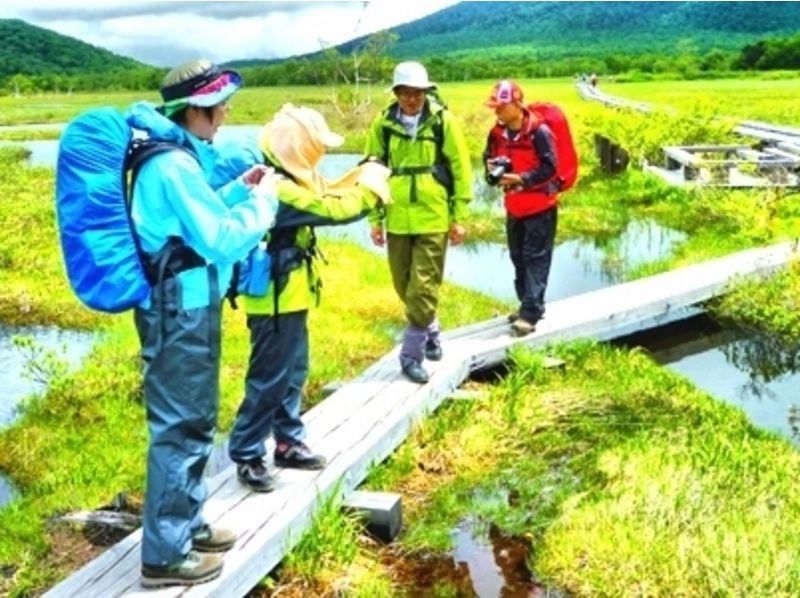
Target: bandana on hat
206	89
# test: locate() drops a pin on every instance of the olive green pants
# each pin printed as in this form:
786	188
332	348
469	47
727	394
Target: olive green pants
417	266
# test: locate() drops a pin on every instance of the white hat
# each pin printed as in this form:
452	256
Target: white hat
411	74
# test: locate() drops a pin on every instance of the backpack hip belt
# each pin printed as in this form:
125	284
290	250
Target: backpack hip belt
174	258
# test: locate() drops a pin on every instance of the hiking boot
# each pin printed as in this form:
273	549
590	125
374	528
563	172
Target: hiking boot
253	474
195	568
212	539
433	350
521	326
414	371
297	456
513	316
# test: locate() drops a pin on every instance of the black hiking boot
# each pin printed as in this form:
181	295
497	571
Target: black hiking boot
433	350
253	474
298	456
413	370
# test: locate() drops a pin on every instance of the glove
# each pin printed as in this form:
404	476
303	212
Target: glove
374	176
267	190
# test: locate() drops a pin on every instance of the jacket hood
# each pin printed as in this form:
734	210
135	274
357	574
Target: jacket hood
232	158
145	117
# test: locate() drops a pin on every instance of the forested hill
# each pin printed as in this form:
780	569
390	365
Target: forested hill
31	50
588	29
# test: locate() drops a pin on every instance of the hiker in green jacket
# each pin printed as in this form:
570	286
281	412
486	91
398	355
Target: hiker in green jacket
293	143
431	184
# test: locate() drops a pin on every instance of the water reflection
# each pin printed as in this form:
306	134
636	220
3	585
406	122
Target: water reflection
578	266
496	563
755	372
8	491
68	346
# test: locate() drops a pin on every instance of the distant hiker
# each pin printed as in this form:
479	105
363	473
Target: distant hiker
593	79
190	237
293	142
520	157
431	185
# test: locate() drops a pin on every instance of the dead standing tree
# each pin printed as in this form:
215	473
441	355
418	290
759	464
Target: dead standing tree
352	76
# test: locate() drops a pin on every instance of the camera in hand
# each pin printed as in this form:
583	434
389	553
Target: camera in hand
500	166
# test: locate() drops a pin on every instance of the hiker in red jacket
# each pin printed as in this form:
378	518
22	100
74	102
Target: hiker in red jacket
520	157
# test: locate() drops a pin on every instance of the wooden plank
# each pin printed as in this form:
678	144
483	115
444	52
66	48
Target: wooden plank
771	128
681	156
363	422
791	158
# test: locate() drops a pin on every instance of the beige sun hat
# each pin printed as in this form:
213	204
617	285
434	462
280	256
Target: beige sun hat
297	137
314	123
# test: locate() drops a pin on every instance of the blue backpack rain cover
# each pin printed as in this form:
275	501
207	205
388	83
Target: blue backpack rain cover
101	249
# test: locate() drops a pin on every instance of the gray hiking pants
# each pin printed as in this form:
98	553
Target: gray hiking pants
274	385
181	352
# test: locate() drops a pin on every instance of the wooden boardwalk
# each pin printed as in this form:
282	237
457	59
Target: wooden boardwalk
365	420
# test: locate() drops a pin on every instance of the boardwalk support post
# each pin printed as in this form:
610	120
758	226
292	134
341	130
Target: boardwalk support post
381	511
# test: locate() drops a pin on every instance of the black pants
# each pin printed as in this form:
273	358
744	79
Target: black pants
530	244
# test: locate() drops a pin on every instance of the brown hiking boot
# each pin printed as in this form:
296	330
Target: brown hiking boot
513	316
521	327
212	539
195	568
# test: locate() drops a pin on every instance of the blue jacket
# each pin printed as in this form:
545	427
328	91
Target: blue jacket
174	198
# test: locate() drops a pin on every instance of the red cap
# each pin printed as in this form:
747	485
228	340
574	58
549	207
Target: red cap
505	92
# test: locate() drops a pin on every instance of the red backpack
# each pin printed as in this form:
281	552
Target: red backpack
567	157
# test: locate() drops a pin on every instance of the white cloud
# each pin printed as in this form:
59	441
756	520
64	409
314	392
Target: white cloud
166	33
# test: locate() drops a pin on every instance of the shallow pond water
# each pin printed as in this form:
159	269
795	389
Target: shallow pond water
69	347
754	372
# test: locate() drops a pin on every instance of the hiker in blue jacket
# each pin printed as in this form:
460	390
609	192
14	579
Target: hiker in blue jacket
190	236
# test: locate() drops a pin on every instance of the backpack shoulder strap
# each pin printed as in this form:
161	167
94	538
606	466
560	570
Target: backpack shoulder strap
438	135
139	151
142	150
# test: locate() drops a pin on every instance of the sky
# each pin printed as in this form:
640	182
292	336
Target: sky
168	33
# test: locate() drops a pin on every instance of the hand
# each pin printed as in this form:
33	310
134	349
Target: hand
254	175
456	234
510	180
267	188
377	236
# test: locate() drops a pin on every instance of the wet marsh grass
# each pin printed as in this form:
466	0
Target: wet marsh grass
624	477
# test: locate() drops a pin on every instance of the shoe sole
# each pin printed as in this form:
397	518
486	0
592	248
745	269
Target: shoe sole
518	332
206	548
261	489
291	465
162	582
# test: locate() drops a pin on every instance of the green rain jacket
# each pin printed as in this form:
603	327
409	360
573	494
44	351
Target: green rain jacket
420	204
298	204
